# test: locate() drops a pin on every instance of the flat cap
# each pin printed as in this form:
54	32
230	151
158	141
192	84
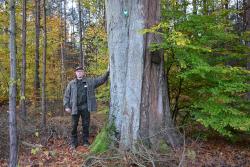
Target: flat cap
79	68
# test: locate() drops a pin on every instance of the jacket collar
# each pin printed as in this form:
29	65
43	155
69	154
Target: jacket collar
84	79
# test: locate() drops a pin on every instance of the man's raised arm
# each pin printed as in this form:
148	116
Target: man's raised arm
98	81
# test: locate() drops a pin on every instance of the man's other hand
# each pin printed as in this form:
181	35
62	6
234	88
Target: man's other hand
68	110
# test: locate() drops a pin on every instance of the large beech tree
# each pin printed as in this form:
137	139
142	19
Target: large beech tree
139	97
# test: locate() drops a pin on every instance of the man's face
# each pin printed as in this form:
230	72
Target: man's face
80	73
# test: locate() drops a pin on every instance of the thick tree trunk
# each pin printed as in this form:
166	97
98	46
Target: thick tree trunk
37	27
44	112
80	33
23	77
12	89
139	101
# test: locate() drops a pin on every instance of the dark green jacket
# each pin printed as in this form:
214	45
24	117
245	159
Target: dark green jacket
70	96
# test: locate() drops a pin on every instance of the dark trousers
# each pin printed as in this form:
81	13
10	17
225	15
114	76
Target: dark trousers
85	126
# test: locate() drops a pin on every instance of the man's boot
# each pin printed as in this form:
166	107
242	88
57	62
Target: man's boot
85	142
74	142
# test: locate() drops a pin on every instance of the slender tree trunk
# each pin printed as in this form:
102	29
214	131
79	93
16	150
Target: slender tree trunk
61	34
23	77
226	4
185	3
194	3
65	26
205	7
44	112
104	18
64	45
37	27
248	42
139	98
247	17
176	106
212	6
244	8
62	52
12	89
80	33
237	14
73	26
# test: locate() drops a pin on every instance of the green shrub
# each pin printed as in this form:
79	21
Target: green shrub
205	63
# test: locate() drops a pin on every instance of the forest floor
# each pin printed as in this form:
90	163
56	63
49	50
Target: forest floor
53	148
56	150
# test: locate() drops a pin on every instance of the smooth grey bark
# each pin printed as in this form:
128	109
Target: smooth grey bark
12	88
37	29
44	112
139	106
126	56
23	73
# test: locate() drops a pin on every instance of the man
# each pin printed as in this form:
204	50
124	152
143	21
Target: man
79	100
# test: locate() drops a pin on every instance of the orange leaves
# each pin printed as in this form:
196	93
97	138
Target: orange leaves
57	153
